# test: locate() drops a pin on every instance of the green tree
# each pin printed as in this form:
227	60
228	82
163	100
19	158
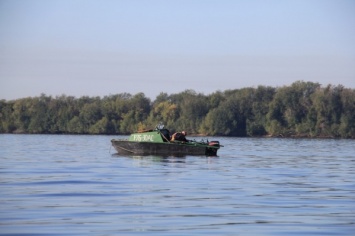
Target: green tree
193	109
347	120
302	109
89	115
328	106
219	121
256	121
21	115
103	126
139	111
6	117
165	112
76	126
289	110
62	109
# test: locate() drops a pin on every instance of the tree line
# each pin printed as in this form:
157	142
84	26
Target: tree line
303	109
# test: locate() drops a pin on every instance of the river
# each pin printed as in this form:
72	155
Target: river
77	185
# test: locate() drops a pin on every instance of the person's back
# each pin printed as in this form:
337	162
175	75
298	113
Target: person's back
179	136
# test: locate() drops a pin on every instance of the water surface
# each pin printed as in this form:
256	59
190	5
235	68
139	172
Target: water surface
77	185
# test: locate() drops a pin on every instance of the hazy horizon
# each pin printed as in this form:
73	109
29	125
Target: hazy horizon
97	48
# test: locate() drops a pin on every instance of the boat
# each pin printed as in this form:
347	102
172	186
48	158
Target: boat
158	142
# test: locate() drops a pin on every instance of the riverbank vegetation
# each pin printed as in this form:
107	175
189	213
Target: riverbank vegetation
303	109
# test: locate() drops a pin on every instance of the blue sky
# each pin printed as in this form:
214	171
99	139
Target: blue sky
98	48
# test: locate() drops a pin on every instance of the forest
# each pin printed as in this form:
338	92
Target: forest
302	109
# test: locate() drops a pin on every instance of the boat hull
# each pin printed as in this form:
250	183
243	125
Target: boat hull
166	148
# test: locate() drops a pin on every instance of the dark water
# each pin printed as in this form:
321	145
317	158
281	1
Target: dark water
73	185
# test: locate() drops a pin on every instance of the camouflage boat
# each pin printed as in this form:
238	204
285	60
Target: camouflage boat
157	142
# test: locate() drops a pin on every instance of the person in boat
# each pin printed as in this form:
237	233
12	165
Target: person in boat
179	136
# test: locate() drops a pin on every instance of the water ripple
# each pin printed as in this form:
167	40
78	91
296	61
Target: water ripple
73	185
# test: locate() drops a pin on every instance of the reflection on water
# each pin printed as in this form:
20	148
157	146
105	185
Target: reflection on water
158	158
73	185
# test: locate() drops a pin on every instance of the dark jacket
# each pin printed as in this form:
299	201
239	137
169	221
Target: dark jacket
178	137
